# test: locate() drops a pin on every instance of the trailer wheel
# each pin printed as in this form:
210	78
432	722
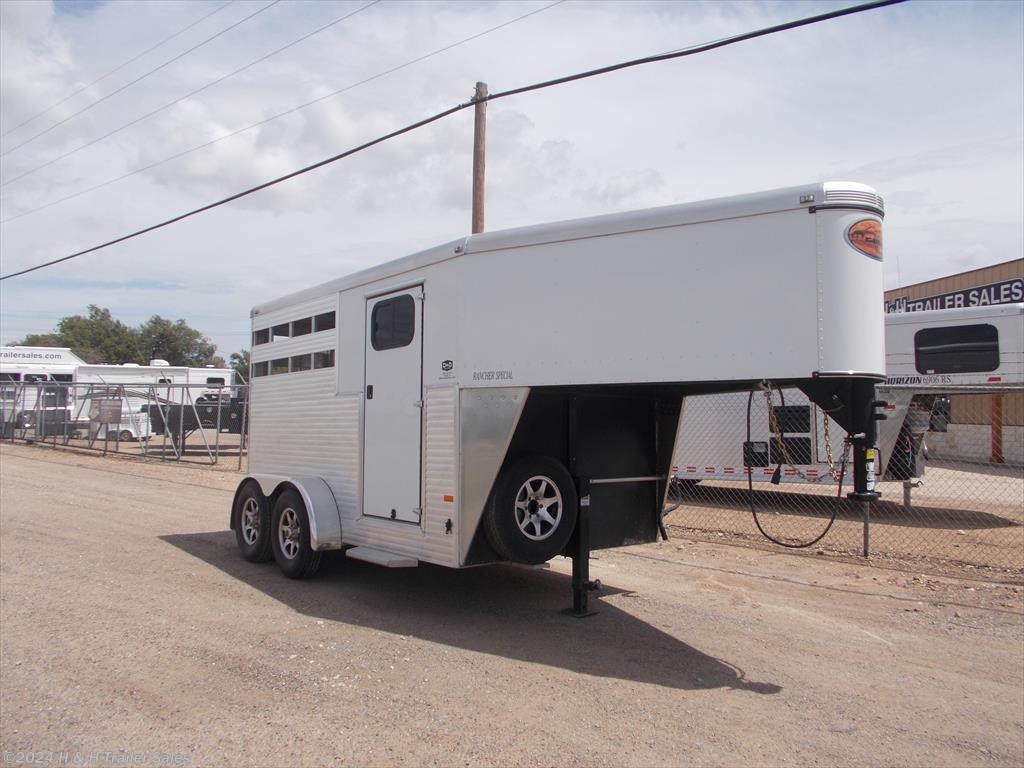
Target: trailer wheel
290	538
125	435
532	512
252	524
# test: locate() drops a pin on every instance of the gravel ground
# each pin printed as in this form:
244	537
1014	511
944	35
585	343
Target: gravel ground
131	629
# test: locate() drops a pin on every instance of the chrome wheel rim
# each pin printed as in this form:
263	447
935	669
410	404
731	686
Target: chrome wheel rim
538	508
250	521
288	533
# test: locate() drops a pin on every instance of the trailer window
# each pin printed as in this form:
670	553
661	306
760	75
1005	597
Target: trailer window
957	349
65	377
302	327
324	322
8	385
55	397
262	336
279	366
323	359
302	363
393	323
260	369
281	331
219	381
793	418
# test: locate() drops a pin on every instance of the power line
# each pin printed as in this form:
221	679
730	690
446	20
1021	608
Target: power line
116	69
180	99
459	107
141	77
280	114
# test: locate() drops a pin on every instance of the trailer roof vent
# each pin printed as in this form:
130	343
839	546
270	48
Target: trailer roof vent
856	197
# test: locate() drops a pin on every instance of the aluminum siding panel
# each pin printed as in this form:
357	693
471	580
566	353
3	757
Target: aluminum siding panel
299	427
440	476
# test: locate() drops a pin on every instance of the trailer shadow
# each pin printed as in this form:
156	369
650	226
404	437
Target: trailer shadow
503	611
821	506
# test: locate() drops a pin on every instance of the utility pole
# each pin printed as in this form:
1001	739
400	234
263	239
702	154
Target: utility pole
479	145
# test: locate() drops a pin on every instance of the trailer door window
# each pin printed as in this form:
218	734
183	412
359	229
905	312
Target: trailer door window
957	349
393	323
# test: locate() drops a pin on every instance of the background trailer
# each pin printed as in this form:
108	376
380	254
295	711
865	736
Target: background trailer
930	356
493	398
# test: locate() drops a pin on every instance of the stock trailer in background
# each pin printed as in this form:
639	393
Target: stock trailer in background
949	460
49	394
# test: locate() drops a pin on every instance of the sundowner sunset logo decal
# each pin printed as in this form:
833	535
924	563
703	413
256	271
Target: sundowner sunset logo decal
866	236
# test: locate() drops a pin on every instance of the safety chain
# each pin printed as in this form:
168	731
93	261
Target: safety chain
835	474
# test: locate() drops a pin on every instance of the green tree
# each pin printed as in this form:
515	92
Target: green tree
177	343
240	364
97	338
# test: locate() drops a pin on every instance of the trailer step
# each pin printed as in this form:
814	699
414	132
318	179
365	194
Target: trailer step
380	557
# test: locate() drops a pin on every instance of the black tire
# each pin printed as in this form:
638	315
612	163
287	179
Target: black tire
290	537
125	436
251	521
532	511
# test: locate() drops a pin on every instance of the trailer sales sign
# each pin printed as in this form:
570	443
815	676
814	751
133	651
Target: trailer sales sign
1006	292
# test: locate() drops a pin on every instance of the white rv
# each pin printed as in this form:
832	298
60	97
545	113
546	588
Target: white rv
515	395
929	355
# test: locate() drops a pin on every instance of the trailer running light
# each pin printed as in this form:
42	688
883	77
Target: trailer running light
993	379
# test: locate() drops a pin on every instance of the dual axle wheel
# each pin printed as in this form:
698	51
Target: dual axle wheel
281	533
529	517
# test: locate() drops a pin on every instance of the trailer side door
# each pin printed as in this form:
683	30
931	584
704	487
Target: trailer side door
393	398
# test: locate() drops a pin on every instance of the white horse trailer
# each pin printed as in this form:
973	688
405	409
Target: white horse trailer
515	395
140	387
929	355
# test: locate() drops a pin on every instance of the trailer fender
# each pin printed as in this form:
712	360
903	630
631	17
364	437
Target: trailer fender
322	509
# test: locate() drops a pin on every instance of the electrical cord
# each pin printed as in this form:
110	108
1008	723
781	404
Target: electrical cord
750	490
459	107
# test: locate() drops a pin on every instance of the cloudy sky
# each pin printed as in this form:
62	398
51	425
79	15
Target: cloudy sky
103	136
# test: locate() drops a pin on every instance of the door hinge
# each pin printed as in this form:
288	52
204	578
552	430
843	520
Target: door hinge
417	403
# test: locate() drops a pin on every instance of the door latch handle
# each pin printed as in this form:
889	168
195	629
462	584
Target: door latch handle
369	391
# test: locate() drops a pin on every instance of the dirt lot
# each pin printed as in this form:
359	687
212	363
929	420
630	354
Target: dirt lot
129	626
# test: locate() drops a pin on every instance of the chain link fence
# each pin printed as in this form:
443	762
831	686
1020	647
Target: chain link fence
201	424
750	468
